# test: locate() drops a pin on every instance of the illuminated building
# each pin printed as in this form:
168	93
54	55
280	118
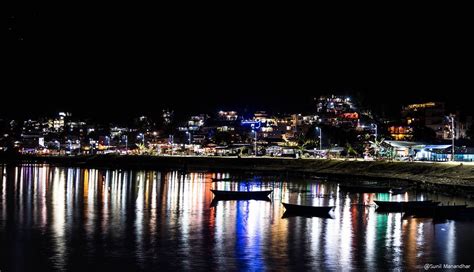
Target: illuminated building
32	127
227	115
336	110
433	115
277	128
461	127
261	116
194	123
167	116
430	114
334	104
401	133
117	131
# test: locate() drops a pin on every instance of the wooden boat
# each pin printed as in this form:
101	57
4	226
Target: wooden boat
241	194
301	209
393	206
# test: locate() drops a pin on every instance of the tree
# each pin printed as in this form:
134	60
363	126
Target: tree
350	150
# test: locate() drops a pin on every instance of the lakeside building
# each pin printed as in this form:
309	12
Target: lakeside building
339	118
419	151
431	115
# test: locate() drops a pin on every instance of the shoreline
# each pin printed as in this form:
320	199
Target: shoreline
455	178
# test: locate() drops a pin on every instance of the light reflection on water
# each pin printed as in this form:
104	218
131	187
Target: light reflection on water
72	219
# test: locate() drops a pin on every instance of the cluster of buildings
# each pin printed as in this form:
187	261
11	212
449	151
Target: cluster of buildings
233	133
434	117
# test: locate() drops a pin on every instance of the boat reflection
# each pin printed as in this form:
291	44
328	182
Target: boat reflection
216	200
56	218
288	214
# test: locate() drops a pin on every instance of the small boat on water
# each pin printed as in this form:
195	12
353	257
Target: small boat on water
231	195
301	209
393	206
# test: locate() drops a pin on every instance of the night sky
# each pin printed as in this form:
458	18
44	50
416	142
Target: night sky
116	66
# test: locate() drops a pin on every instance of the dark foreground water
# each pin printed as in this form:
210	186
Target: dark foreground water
54	218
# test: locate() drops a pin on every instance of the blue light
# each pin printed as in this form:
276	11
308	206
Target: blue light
253	124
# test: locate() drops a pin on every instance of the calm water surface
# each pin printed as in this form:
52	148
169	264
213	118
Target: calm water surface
55	218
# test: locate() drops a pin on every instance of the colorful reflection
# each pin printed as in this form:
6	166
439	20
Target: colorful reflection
71	218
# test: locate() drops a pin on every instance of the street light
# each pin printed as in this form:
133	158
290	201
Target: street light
375	127
69	143
171	142
320	138
254	130
142	136
189	137
254	125
451	120
126	143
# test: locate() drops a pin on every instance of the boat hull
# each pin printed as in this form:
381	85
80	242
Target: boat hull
309	210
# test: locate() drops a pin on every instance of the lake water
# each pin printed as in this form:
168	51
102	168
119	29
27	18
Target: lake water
56	218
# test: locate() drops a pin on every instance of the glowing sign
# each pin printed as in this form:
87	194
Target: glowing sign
253	124
350	115
421	106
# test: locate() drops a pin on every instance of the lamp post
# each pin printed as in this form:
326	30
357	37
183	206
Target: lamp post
320	138
189	136
451	120
375	127
254	130
171	142
126	144
376	149
254	125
